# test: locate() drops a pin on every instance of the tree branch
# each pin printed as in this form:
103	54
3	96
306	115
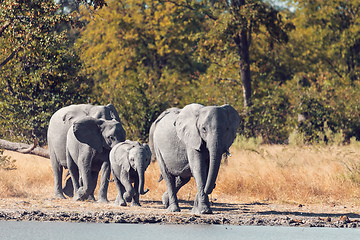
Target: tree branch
11	56
232	80
334	69
25	148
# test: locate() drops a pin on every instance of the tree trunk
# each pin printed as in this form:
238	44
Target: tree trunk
243	41
24	148
243	46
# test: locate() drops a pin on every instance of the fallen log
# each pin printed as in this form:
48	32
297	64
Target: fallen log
25	148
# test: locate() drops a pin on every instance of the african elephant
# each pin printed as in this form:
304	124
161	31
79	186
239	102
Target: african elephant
89	141
129	161
59	125
190	142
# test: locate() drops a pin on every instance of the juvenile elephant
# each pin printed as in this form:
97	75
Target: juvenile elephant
88	145
59	125
129	161
190	142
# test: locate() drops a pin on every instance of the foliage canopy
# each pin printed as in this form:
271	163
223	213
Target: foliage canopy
145	56
39	71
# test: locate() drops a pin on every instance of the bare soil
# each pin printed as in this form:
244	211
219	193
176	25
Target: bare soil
255	213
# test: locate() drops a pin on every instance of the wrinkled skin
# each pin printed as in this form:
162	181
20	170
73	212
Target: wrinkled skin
190	142
59	125
129	161
88	146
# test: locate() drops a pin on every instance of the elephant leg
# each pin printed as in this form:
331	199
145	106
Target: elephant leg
85	189
136	198
91	196
58	172
120	189
129	190
172	203
179	182
198	167
94	178
74	172
136	201
104	182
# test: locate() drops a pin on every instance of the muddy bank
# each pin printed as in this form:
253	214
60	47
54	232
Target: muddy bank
135	218
251	214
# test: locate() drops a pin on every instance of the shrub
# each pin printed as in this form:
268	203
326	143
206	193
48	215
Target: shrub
6	162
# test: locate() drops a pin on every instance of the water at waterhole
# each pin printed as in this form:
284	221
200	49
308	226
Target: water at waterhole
73	231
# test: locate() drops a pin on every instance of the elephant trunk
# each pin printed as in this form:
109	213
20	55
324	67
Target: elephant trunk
141	174
214	165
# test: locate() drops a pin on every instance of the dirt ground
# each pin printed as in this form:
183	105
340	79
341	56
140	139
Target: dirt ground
255	213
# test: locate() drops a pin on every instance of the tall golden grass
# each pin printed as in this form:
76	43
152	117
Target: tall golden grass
32	177
282	174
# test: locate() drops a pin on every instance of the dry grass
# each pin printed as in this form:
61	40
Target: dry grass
311	174
32	178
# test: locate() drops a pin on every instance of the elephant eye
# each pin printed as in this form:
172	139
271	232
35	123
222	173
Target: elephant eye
203	129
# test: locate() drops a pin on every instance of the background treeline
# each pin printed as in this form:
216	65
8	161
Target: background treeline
274	65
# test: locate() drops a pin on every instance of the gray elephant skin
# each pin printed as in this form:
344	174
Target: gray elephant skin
190	142
88	145
129	161
59	125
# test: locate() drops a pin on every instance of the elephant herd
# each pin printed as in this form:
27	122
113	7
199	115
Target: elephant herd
188	142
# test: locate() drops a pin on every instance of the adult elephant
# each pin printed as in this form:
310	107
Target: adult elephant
89	141
190	142
59	125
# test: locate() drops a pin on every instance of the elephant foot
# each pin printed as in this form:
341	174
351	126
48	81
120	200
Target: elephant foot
165	199
135	204
202	210
173	208
120	201
68	194
103	200
77	198
128	196
91	197
59	195
80	195
201	204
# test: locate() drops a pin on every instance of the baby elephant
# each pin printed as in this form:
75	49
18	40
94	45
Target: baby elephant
129	161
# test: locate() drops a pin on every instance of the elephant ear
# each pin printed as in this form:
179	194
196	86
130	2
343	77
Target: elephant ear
122	154
113	113
148	153
86	130
234	122
186	125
